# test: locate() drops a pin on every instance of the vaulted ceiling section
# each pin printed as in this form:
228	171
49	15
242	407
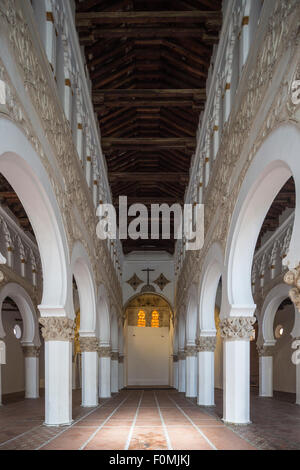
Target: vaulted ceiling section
148	62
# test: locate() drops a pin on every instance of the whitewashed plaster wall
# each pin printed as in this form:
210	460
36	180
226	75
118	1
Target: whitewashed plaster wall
148	356
161	262
13	372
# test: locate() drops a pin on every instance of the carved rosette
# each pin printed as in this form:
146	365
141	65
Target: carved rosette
175	358
181	355
104	351
88	344
190	351
206	343
121	359
265	351
31	351
292	278
237	328
114	356
57	328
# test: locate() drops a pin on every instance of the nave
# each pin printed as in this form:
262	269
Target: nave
151	419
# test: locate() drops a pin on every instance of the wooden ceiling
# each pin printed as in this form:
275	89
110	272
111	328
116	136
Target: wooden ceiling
148	62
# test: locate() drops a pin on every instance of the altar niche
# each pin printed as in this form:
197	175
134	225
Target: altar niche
149	338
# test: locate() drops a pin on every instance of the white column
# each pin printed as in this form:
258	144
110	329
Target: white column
0	387
114	372
58	333
104	372
89	360
236	332
121	372
206	370
227	102
181	371
31	359
297	384
191	371
265	371
175	371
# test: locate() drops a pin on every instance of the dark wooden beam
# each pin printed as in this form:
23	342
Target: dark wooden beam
149	142
147	176
90	38
87	19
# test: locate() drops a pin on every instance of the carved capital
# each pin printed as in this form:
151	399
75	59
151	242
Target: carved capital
190	351
104	351
31	351
88	344
181	355
175	358
121	359
292	278
265	351
206	343
114	356
57	328
237	328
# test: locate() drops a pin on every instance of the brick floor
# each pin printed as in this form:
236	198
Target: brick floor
150	420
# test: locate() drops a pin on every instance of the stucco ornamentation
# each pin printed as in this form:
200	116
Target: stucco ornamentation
206	343
235	328
88	344
57	328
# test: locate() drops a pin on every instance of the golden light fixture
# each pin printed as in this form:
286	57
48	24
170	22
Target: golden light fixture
155	319
141	318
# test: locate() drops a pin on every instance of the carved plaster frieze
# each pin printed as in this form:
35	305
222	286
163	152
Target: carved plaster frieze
104	351
206	343
88	344
237	328
292	278
57	328
31	351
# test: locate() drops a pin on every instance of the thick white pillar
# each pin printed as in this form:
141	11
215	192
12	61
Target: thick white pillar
89	366
31	359
58	334
266	371
175	371
104	371
121	372
236	332
181	371
114	372
206	370
191	371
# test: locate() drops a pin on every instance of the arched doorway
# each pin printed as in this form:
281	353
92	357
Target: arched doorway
149	341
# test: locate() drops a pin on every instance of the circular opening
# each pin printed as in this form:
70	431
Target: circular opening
17	331
279	331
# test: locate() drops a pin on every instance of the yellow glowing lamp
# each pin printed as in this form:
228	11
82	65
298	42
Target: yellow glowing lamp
155	319
141	318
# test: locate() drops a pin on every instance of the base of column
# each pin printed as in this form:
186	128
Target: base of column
236	424
58	425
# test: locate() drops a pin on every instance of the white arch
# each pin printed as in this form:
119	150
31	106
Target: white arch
23	169
103	316
191	315
275	162
83	273
26	308
268	312
211	273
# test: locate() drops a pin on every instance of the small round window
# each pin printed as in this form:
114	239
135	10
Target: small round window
17	331
279	330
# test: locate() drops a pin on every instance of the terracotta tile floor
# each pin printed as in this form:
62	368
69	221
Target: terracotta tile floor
150	420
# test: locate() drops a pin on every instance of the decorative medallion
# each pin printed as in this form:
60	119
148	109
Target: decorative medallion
134	281
147	288
161	281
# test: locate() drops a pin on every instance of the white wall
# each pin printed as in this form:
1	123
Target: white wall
147	356
161	262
